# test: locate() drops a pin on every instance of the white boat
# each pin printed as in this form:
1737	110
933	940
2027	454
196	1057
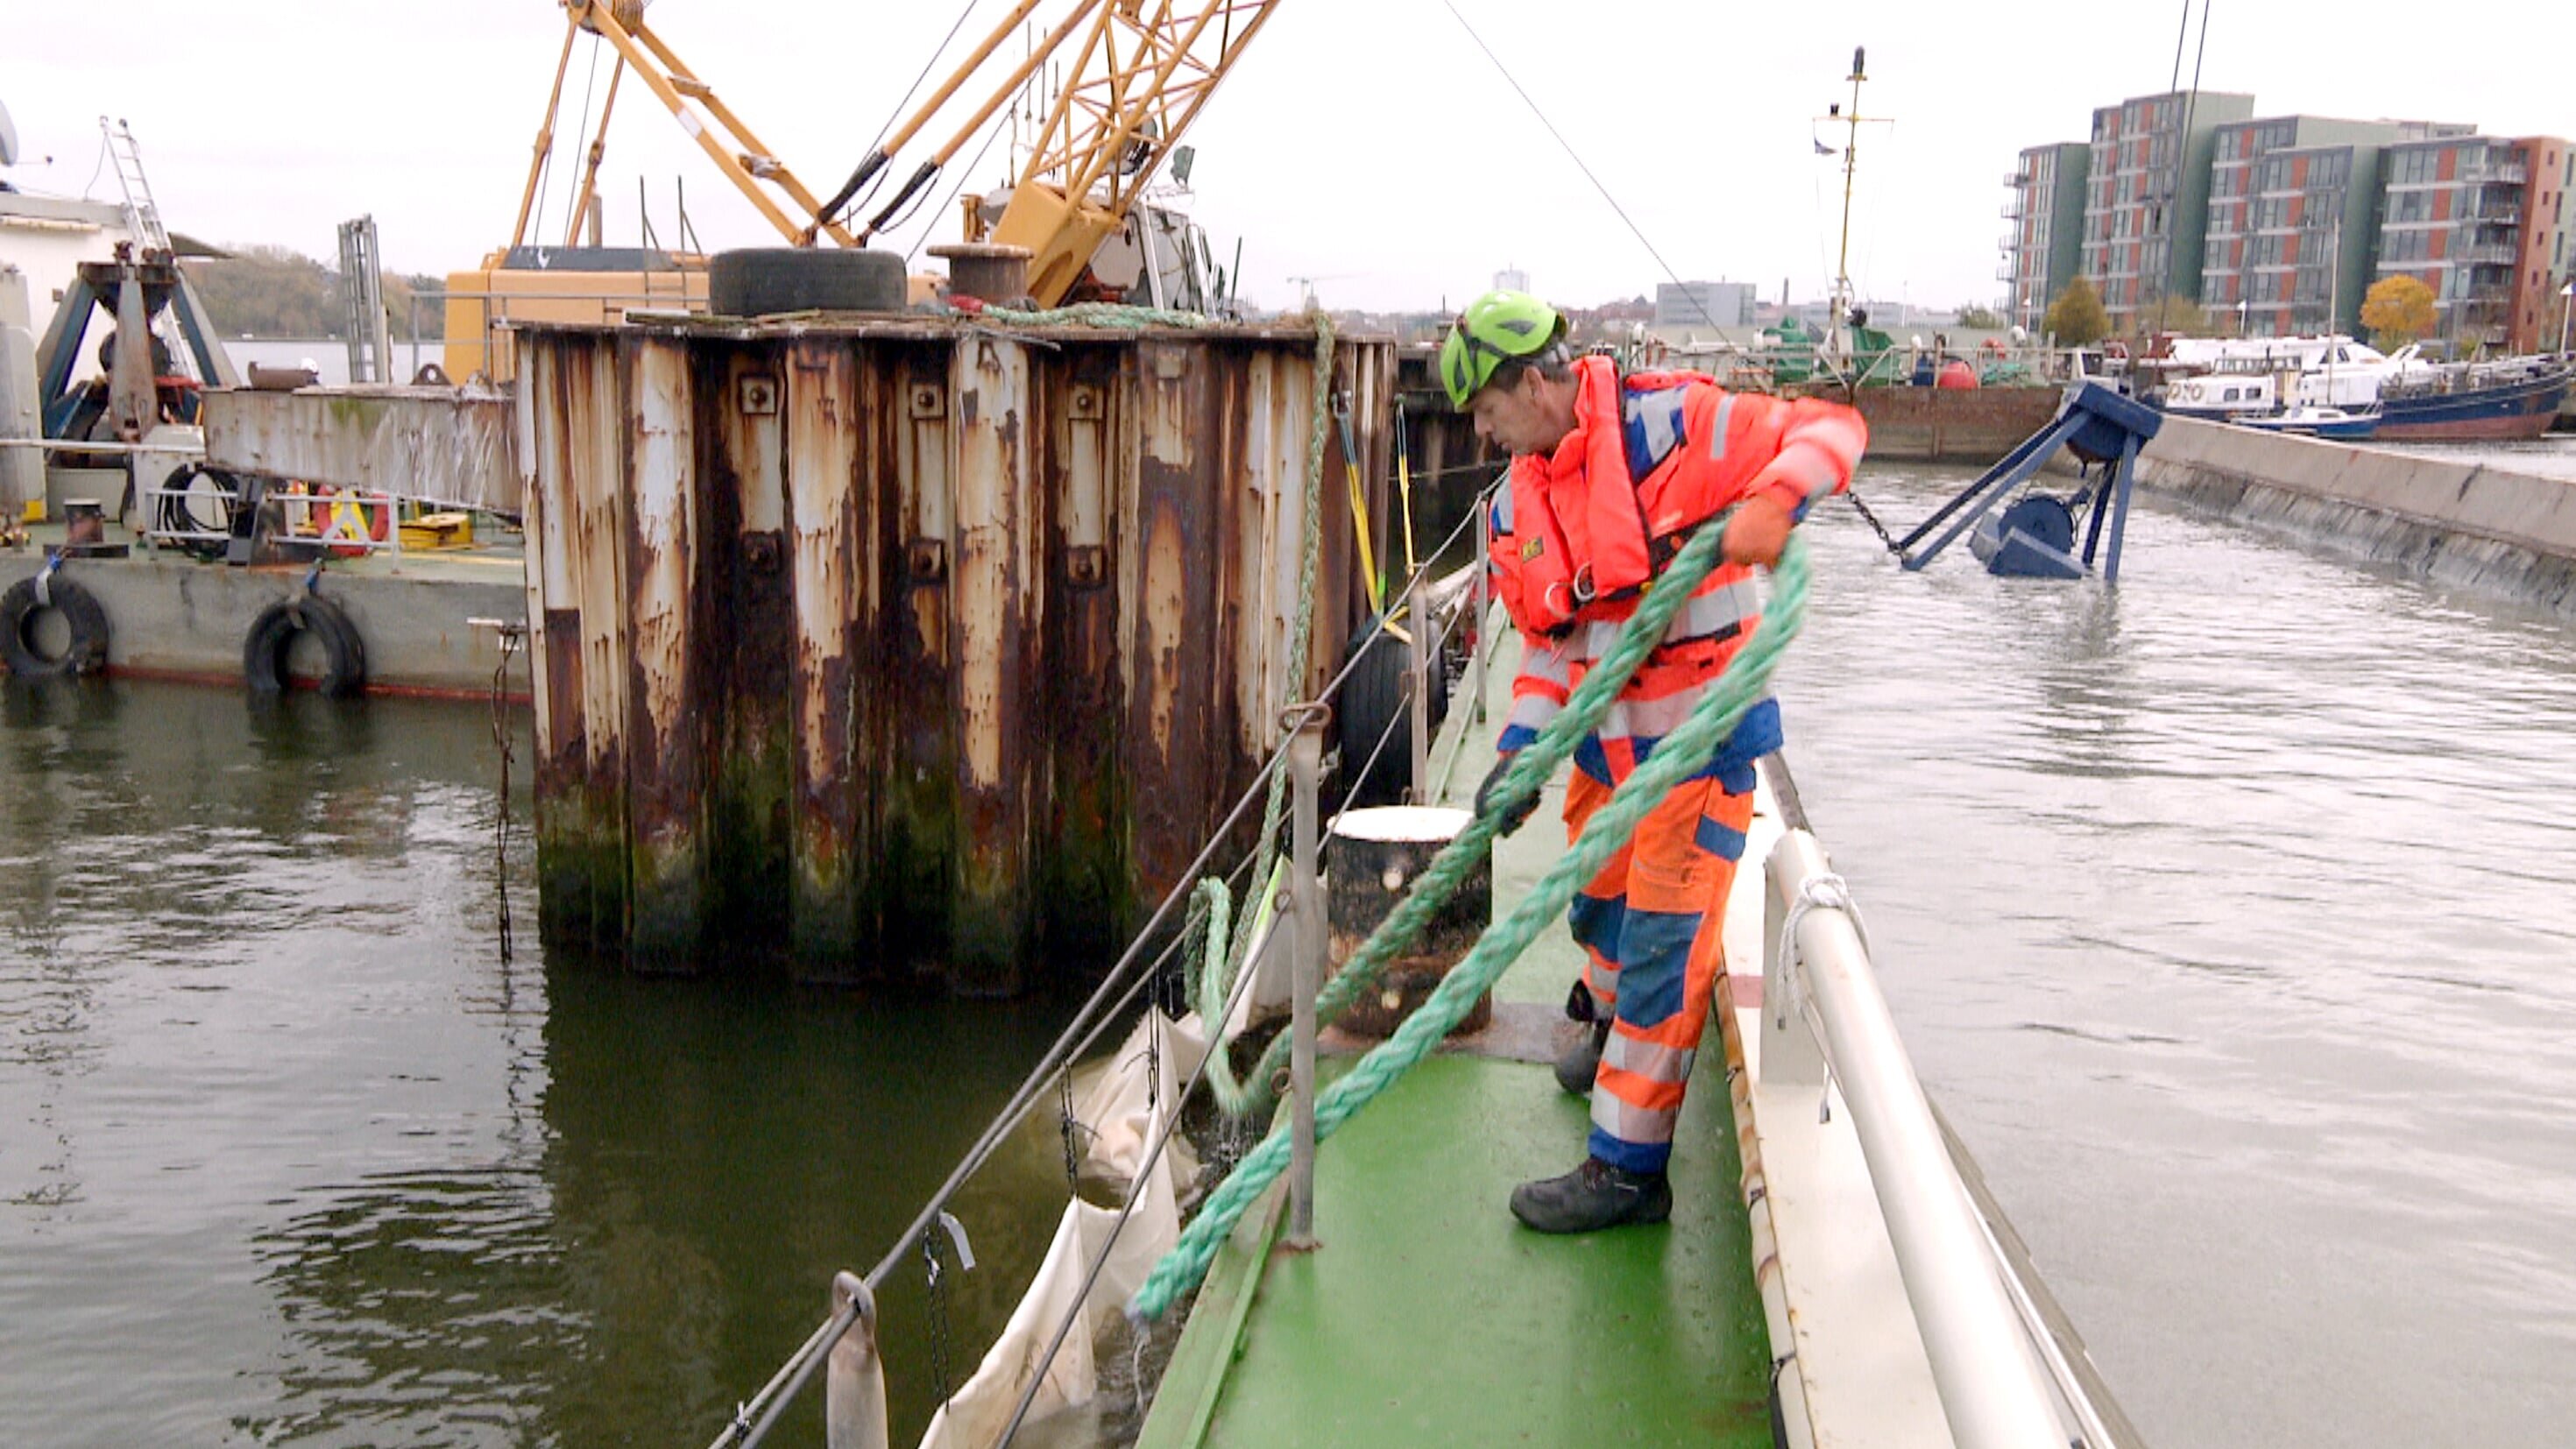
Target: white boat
2309	420
2229	378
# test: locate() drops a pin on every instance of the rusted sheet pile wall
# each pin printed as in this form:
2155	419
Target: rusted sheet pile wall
906	647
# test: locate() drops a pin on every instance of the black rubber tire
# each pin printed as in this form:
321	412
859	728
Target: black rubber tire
1369	707
264	648
763	281
87	652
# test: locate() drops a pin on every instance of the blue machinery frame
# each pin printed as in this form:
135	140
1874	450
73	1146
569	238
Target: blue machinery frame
2034	538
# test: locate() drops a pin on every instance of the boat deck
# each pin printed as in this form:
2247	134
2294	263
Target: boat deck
1429	1315
172	616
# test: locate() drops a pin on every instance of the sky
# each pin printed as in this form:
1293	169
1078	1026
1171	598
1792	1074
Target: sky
1365	144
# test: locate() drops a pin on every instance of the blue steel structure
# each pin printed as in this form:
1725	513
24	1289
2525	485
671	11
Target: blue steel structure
2035	536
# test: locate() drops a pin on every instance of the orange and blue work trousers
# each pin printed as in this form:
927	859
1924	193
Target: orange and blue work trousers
1651	925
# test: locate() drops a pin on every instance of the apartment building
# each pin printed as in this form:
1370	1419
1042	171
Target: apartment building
2293	212
2147	197
2043	241
2279	225
2482	220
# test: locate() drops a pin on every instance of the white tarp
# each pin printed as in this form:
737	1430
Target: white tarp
1125	1109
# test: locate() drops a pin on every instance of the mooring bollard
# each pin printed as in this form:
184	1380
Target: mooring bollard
1305	764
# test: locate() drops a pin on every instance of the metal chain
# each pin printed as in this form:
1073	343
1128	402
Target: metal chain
938	1294
1872	520
512	636
1066	1125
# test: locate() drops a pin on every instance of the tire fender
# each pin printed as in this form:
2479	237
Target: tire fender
23	602
273	632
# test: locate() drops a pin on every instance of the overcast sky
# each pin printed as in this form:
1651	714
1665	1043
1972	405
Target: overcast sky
1366	143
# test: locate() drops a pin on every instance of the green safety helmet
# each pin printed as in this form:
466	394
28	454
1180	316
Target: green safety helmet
1495	327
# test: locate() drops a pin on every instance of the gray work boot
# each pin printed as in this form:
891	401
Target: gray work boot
1591	1197
1581	1062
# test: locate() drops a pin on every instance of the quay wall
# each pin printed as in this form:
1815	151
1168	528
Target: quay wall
911	647
2464	524
171	617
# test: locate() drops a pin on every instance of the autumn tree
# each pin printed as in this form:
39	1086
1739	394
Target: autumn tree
1982	319
2397	310
2076	318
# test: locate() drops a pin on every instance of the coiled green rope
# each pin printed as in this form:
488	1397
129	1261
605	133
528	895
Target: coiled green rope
1680	755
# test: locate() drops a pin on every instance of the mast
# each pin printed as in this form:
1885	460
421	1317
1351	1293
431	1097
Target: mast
1851	120
1851	161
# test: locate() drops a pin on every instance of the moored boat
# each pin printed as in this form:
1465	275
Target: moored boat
2339	424
2513	399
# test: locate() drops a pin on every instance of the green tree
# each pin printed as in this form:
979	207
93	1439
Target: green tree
1982	319
273	291
2076	318
2397	310
2178	314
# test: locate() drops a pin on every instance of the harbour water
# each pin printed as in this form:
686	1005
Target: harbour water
2225	916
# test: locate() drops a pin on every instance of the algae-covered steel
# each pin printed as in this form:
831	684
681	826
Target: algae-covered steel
902	644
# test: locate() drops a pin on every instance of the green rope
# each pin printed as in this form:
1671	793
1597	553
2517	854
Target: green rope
1535	764
1108	314
1680	755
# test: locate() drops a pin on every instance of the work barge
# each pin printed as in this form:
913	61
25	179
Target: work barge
904	646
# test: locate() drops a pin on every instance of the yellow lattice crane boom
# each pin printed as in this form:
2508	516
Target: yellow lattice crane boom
1143	75
752	167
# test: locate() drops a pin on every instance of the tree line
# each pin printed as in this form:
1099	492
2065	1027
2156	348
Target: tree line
273	291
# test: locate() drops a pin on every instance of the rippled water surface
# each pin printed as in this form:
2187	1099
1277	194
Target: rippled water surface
288	1153
2227	916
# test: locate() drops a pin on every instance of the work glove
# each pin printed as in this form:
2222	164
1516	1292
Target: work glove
1487	795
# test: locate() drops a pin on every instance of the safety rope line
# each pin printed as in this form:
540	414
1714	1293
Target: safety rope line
1680	755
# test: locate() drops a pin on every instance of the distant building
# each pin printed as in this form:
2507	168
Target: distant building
2293	206
2146	202
1703	305
2482	220
2044	240
1511	279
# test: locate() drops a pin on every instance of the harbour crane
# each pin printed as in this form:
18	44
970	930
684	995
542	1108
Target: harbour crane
1141	71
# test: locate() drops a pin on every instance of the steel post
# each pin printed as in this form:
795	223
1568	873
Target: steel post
1305	763
1484	605
1417	686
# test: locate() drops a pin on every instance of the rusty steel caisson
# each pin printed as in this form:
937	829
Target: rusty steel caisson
892	648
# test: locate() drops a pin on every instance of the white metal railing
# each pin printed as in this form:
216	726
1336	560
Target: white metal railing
1824	1017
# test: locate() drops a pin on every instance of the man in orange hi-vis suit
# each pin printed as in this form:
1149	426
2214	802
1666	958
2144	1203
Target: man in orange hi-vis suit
1610	475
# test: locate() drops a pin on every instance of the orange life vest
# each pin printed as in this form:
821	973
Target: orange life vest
1579	531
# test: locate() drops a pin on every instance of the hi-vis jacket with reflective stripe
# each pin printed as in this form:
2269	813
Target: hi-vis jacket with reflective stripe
1578	534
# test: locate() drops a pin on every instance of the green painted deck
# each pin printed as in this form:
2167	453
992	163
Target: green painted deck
1430	1316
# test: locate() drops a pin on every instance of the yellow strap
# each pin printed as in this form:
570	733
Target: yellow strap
1359	526
1404	492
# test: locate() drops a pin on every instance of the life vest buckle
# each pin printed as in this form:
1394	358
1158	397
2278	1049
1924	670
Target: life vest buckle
1583	591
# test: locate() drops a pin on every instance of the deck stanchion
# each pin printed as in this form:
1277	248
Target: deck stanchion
1305	763
1484	605
1418	685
